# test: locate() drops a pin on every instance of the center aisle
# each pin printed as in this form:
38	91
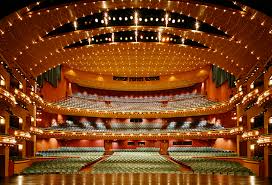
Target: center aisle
136	162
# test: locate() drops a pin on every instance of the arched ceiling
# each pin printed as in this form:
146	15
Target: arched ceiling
234	37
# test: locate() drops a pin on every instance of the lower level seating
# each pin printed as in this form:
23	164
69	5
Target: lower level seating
72	164
204	165
136	162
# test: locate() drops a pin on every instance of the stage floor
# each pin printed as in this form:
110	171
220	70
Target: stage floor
134	179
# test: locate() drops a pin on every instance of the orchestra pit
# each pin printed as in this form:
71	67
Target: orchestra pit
127	92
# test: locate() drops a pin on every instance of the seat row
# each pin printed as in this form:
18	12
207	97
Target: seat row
72	164
213	166
136	162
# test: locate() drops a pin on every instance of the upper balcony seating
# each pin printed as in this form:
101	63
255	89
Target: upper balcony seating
188	101
136	127
136	98
200	152
71	151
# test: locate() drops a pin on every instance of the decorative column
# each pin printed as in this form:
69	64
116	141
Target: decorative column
108	147
6	148
267	115
6	153
24	126
249	151
238	120
34	137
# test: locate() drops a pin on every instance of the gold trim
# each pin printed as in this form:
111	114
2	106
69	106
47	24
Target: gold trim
250	97
174	81
265	140
251	135
22	96
22	135
114	135
7	97
7	140
264	97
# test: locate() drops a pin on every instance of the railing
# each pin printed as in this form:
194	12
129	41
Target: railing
265	140
6	140
218	108
251	135
22	96
264	97
104	134
22	135
250	97
7	97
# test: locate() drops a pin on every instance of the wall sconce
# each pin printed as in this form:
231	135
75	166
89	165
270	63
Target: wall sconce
2	120
2	81
270	120
20	146
252	147
21	86
270	81
240	88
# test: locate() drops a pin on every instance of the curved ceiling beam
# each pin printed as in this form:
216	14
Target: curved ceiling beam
135	17
45	5
135	36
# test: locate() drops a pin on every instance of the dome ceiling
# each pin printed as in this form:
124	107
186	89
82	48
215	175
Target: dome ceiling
136	38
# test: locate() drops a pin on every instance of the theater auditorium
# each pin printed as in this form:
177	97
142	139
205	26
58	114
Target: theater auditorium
127	92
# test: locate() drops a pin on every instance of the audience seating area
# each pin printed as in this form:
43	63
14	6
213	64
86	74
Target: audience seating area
65	165
197	158
135	98
139	160
212	166
71	151
138	126
194	126
139	149
187	101
136	162
72	160
120	131
200	152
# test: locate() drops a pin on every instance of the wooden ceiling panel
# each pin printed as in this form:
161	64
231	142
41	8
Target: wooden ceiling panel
250	42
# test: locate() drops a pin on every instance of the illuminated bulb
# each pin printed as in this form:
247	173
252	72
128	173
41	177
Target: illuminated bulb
106	18
166	19
136	18
197	25
75	25
112	37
